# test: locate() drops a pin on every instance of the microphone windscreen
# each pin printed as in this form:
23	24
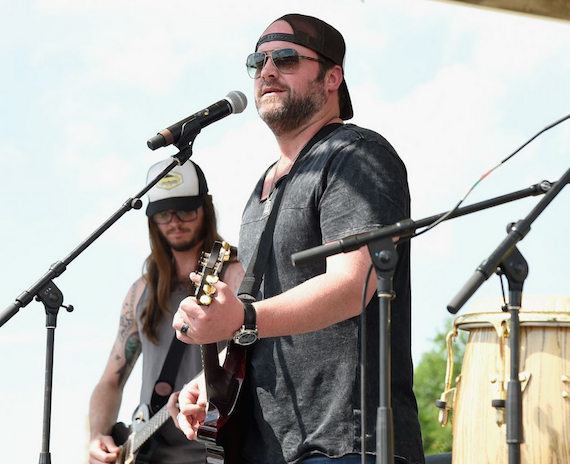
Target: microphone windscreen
237	101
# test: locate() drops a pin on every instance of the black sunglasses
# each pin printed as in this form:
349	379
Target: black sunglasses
286	60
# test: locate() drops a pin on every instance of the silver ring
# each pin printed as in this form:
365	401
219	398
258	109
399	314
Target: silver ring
184	328
178	416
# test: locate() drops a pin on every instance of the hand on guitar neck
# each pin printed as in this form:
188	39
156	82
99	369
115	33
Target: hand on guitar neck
207	404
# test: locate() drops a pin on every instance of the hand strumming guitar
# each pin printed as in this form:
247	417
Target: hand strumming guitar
188	407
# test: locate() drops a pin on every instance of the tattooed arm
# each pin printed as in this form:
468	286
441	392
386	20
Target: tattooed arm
107	396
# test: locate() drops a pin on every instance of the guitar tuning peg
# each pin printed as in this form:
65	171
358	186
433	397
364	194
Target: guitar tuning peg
209	289
205	300
212	279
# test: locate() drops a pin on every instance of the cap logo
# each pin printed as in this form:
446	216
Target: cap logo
171	180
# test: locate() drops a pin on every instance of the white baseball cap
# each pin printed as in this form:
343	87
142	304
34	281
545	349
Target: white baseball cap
182	189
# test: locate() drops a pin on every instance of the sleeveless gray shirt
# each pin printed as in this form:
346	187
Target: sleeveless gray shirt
174	447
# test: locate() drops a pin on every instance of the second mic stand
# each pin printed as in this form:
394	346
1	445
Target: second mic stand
384	258
507	257
515	268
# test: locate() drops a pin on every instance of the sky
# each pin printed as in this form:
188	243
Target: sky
84	85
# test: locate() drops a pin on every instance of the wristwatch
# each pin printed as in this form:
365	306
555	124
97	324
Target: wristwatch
247	334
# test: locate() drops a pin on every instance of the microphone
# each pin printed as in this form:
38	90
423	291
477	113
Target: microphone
235	102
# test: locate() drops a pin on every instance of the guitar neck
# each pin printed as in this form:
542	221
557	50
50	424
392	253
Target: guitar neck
155	422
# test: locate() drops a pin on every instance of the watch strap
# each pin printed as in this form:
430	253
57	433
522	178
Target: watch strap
250	316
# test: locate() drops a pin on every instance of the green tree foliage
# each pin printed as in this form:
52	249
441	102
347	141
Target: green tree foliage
429	384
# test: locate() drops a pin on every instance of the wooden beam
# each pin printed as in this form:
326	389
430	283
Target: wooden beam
547	9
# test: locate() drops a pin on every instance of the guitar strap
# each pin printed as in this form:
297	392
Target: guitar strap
251	283
168	374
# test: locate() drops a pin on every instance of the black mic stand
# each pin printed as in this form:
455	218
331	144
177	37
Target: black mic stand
52	299
46	291
507	257
384	258
515	268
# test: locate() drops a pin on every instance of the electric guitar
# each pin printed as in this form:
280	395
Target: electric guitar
224	383
141	430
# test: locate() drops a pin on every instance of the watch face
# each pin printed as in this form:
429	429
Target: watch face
246	337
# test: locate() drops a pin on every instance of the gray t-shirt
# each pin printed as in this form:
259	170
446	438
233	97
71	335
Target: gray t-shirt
174	447
306	388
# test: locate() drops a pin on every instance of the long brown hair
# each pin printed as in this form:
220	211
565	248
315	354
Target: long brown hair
160	271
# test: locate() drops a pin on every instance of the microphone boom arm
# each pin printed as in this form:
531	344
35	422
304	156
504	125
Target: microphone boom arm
407	227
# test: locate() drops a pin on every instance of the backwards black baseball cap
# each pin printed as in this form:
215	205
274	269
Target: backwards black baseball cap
321	37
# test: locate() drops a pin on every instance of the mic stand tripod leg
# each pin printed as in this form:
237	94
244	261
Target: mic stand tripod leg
515	268
384	258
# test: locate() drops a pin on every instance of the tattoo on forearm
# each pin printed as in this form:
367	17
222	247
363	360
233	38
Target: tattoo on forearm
132	351
132	348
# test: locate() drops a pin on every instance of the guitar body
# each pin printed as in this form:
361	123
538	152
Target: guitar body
224	428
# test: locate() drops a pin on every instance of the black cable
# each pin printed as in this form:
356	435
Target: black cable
456	207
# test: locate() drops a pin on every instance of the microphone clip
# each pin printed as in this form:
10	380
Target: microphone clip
189	132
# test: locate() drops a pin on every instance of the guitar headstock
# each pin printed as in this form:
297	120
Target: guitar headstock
210	267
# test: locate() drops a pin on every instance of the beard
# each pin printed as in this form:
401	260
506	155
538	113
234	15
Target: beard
295	111
187	244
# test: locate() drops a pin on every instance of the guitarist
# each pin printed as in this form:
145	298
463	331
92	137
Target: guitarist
304	368
182	223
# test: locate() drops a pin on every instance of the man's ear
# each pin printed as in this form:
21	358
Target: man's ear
334	78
